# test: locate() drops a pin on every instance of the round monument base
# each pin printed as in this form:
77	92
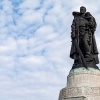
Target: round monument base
82	84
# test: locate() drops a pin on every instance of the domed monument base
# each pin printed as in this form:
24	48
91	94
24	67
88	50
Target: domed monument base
82	84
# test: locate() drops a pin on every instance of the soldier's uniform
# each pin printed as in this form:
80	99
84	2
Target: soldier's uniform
84	36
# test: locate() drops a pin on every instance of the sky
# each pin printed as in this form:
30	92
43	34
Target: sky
35	46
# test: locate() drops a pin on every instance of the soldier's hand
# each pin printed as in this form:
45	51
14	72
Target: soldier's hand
90	42
73	36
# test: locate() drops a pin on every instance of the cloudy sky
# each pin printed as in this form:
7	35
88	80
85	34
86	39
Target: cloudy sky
35	45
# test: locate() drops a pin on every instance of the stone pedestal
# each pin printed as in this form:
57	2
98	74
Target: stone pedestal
82	84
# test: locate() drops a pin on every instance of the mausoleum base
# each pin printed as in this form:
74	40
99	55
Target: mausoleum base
82	84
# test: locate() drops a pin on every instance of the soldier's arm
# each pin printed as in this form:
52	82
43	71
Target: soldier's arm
73	29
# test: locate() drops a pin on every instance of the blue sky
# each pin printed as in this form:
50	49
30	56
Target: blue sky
35	45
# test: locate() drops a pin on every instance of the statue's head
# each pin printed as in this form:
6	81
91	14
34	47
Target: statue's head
82	9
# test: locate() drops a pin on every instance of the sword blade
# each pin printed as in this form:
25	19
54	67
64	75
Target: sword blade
80	53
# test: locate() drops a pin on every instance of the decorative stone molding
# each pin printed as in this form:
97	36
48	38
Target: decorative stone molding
80	91
89	92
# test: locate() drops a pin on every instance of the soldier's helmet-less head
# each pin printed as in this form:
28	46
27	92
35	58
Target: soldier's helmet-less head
82	10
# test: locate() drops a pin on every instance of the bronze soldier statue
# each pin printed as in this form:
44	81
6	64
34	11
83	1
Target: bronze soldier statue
83	50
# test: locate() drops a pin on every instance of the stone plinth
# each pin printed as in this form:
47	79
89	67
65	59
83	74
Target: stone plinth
82	83
83	77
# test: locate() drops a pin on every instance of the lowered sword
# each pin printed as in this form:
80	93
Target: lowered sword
80	53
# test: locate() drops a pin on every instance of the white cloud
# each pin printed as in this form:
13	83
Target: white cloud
30	4
31	61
